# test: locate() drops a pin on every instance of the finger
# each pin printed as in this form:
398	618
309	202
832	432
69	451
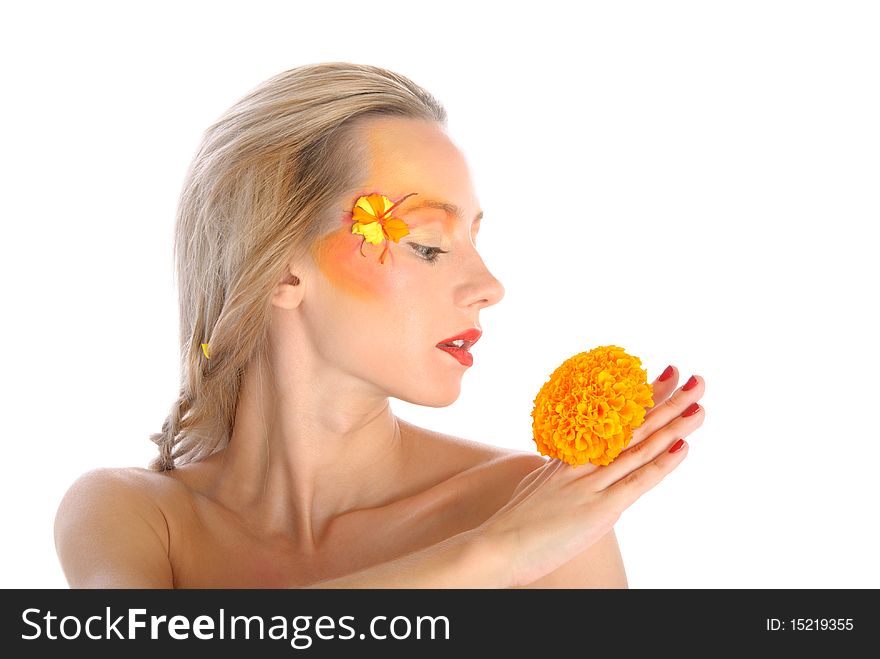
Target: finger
635	457
671	407
627	490
662	390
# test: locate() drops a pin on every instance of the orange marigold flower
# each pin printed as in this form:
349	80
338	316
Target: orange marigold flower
589	407
372	219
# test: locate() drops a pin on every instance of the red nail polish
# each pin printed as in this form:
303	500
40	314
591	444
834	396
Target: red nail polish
693	408
677	446
690	384
666	374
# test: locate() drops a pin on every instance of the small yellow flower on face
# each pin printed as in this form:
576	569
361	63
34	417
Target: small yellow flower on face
205	350
372	220
371	232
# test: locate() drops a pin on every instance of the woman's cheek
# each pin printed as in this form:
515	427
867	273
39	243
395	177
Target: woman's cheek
338	256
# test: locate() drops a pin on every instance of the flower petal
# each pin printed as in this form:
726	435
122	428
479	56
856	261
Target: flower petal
396	229
385	206
377	203
359	214
371	232
364	208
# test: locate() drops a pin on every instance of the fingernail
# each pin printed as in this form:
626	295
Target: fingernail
692	409
677	446
690	384
666	374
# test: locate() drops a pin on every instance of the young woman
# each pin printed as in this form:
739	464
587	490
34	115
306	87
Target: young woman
327	260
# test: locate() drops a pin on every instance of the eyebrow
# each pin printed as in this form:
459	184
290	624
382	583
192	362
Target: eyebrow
451	209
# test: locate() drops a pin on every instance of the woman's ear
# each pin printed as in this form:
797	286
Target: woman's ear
289	291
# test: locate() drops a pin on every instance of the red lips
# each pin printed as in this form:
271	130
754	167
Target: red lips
469	336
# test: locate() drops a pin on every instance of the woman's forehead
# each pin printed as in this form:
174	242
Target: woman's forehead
413	152
411	156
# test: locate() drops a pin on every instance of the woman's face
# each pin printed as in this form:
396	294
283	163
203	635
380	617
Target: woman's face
382	321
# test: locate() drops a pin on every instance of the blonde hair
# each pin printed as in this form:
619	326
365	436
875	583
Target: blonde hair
260	191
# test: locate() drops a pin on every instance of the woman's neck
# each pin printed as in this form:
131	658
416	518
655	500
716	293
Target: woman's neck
303	454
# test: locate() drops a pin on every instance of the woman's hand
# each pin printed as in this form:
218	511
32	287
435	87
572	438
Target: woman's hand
559	510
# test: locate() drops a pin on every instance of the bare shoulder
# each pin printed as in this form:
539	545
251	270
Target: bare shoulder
110	531
122	486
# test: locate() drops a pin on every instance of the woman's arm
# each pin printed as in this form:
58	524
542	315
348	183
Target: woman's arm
465	560
110	534
600	566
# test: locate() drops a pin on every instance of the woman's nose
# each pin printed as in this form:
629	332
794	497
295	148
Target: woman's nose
487	290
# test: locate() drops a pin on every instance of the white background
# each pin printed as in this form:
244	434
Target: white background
696	182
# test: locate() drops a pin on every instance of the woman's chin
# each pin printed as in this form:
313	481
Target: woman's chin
437	393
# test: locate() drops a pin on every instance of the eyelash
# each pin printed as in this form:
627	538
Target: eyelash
432	259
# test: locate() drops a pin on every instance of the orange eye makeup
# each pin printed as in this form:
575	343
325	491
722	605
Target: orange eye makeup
355	268
338	257
449	214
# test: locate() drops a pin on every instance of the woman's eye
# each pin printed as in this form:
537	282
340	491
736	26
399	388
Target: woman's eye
429	254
